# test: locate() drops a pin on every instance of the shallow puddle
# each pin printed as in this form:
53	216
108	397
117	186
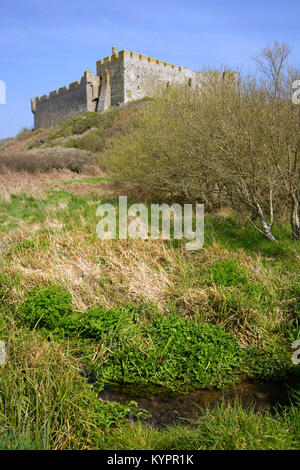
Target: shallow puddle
168	408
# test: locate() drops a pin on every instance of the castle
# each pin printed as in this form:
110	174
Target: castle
120	78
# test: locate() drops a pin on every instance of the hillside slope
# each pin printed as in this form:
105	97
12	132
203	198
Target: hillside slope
146	314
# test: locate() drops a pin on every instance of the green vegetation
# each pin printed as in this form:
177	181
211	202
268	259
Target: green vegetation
141	347
61	205
227	427
82	123
229	143
217	301
54	407
89	131
147	313
168	351
174	353
45	308
92	142
44	403
228	273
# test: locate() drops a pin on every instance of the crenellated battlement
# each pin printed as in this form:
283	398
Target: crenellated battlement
124	53
69	100
65	89
121	77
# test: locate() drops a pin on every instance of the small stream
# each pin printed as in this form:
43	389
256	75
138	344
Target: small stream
168	408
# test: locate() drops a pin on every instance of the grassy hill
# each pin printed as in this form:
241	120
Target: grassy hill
144	313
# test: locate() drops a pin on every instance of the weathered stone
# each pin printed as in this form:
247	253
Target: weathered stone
59	104
120	78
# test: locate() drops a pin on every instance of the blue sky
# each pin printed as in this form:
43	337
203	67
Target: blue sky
48	44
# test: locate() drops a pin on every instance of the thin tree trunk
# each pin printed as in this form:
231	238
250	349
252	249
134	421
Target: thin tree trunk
266	227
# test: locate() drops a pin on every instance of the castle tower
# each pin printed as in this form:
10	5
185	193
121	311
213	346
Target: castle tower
122	77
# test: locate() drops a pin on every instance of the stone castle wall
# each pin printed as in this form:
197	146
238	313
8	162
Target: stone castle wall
120	78
67	101
130	76
144	75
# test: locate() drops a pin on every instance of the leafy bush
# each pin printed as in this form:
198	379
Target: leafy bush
92	142
50	309
96	322
45	307
173	352
168	350
270	363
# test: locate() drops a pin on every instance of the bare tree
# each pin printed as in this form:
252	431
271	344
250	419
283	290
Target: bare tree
230	123
284	127
271	62
241	136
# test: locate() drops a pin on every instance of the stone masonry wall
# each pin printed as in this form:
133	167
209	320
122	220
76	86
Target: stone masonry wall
145	75
65	102
121	77
131	76
111	72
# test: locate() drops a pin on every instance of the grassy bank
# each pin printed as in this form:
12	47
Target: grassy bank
134	311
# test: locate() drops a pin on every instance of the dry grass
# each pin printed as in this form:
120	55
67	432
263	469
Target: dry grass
118	272
124	271
16	182
103	271
44	160
12	182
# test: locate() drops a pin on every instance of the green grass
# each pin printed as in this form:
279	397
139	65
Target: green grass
234	233
92	142
227	427
241	325
80	211
80	124
143	347
94	180
225	313
44	402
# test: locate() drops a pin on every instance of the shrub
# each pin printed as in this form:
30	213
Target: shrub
91	142
50	309
45	307
43	160
96	322
173	352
